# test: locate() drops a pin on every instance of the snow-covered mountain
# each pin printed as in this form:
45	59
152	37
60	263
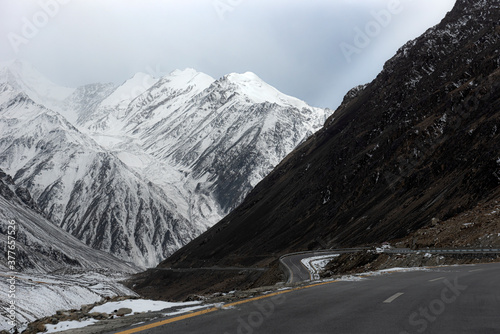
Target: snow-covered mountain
26	78
84	100
114	104
140	169
207	142
40	246
85	189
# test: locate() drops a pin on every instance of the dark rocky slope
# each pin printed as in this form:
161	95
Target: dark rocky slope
421	141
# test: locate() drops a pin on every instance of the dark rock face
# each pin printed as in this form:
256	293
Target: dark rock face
420	141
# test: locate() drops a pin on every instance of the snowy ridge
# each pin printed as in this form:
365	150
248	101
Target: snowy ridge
205	142
258	91
24	77
113	108
79	274
86	190
40	245
130	104
215	139
84	100
141	169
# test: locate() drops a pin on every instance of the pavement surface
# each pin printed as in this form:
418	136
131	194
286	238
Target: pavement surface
456	299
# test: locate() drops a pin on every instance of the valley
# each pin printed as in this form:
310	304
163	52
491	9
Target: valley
184	201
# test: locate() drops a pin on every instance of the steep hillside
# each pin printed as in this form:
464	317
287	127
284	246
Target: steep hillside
205	142
85	189
40	246
420	141
142	168
24	77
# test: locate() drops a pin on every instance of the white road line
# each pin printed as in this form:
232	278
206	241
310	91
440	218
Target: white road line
475	270
436	279
393	297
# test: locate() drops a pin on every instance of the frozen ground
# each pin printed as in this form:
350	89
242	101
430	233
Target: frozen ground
362	276
140	305
67	325
136	305
39	295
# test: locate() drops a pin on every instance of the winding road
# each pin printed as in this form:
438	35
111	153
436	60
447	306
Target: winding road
297	272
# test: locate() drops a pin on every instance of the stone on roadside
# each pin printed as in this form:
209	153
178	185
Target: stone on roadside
121	312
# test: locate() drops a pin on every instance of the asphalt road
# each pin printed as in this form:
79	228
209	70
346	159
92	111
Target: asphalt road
457	299
297	272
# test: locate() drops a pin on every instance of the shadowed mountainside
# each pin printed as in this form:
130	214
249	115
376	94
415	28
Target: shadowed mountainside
421	141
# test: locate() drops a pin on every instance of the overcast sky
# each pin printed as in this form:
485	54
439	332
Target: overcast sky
315	50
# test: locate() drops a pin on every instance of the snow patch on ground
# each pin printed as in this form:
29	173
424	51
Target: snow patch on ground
351	278
140	305
383	248
39	295
395	270
136	305
67	325
363	276
316	264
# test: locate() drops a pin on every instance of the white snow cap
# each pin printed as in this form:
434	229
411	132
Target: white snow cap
129	90
180	79
252	86
25	76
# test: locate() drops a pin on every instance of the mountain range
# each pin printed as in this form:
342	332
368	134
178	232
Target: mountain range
418	144
140	169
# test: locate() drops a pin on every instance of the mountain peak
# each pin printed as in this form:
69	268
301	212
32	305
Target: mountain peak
180	79
244	77
141	76
187	71
397	153
24	76
257	90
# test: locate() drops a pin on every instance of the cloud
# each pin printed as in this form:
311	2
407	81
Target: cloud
292	44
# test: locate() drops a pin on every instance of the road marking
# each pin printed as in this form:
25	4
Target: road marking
437	279
393	297
475	270
167	321
209	310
